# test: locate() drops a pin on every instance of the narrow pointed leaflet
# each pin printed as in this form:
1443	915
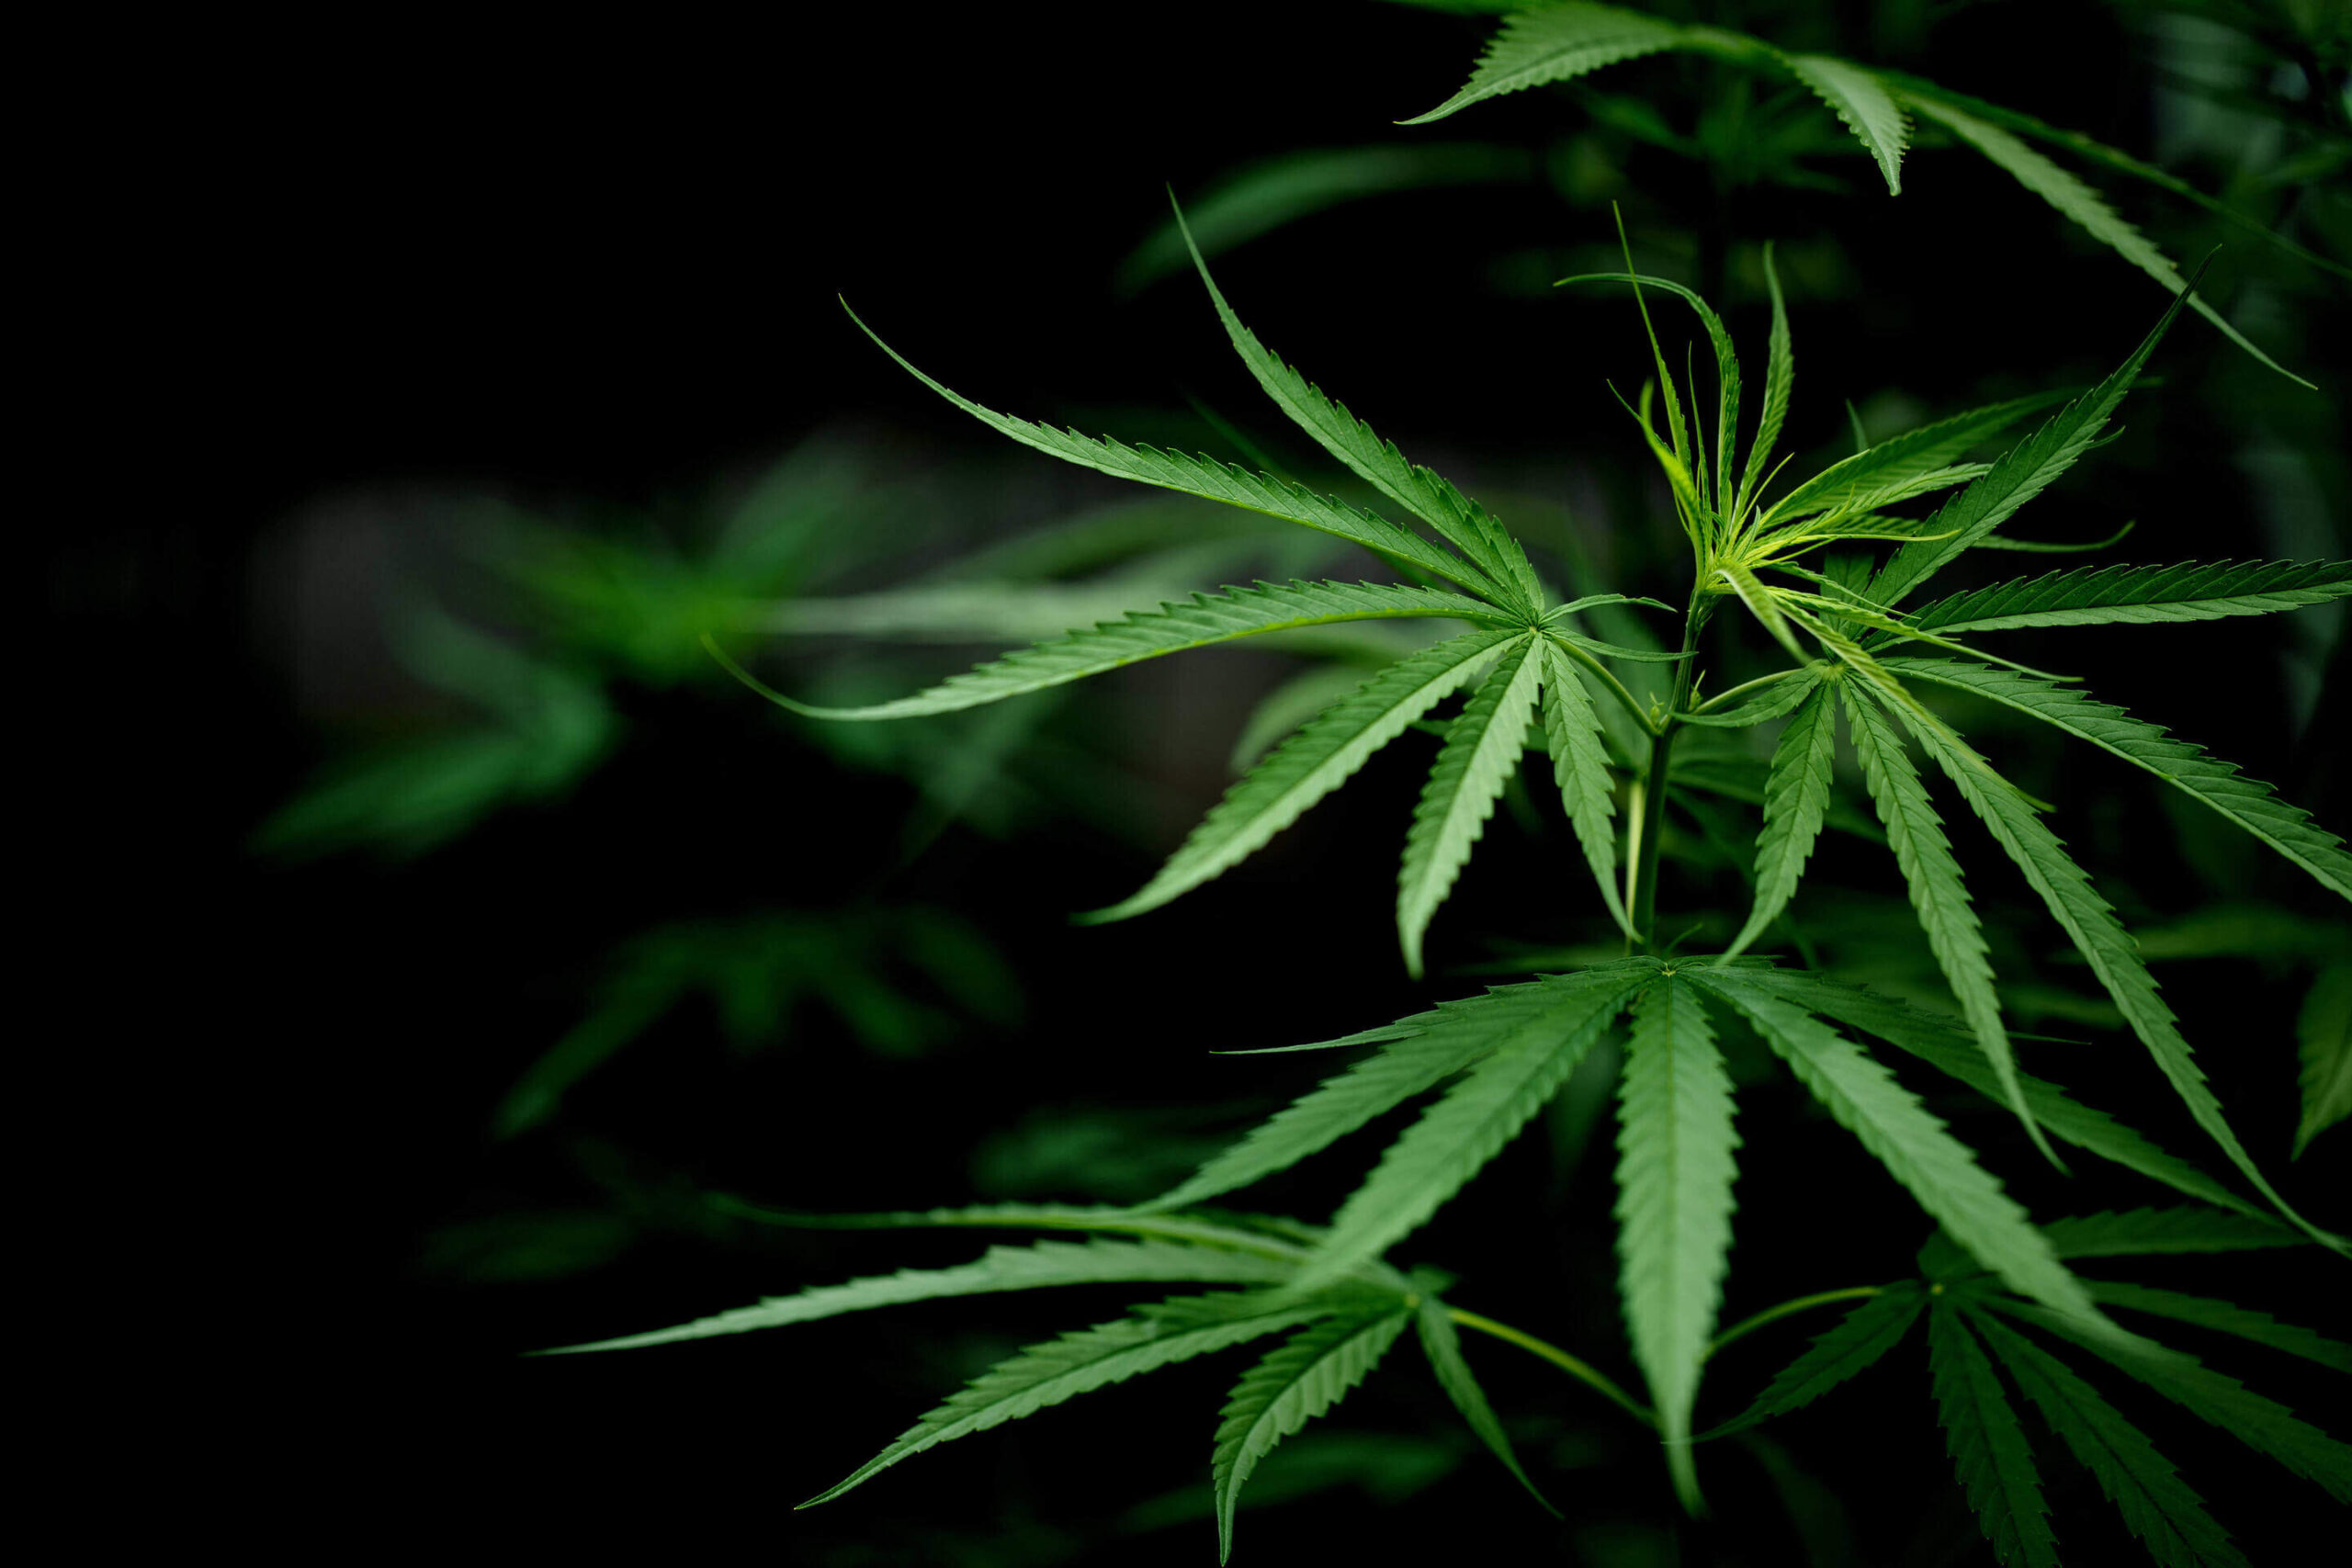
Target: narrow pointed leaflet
1482	749
1987	1445
1796	801
1572	731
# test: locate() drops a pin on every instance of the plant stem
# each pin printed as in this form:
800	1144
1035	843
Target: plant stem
1644	913
1558	1357
1802	1303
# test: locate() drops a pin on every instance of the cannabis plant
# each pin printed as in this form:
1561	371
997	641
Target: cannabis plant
1862	648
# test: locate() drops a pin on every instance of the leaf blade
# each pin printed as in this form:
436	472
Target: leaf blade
1301	1379
1987	1445
1480	755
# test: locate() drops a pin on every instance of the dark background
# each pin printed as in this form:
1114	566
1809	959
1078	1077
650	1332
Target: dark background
592	271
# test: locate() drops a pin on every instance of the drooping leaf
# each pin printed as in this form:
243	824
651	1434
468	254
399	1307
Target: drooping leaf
2081	205
1001	1268
2023	473
1857	1341
1430	1161
1311	764
1214	480
1947	1045
2247	802
1555	43
2261	1424
2157	1507
1937	1168
2094	929
2142	1233
1173	628
1674	1204
1307	1375
1938	895
1482	749
2223	1318
1988	1446
1572	732
1857	98
2324	1040
1085	1359
1463	523
2138	595
1796	800
1443	1347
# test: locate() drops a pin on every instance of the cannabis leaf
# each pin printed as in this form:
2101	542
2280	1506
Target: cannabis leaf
2138	595
1987	1443
1560	42
1858	1341
1310	1372
2323	1029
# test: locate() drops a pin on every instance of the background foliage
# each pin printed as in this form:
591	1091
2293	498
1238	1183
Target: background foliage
523	329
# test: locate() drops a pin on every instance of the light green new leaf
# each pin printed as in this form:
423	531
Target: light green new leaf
1209	618
2223	1318
2091	924
1482	749
1939	1169
2144	1233
1857	98
1443	1347
2023	473
1463	522
2324	1037
1796	801
2082	204
1857	1341
1470	1125
2138	595
1779	379
1916	834
1674	1204
2247	802
1213	481
1555	43
2157	1507
1988	1446
1085	1359
1308	1373
1947	1047
1581	768
1312	762
1877	476
1726	369
2261	1424
1001	1268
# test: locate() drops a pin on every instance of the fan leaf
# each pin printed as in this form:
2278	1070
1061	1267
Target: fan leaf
1463	523
1986	1444
2082	206
1880	475
1572	732
1001	1268
2168	1517
1555	43
1214	480
1086	1360
1674	1204
1314	762
1482	750
2144	1233
1857	1341
1551	1027
1939	1169
2091	924
1443	1347
1796	802
2223	1318
1855	96
1308	1373
2138	595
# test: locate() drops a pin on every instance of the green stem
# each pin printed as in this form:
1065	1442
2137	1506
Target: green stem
1644	913
1802	1303
1610	680
1720	698
1558	1357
